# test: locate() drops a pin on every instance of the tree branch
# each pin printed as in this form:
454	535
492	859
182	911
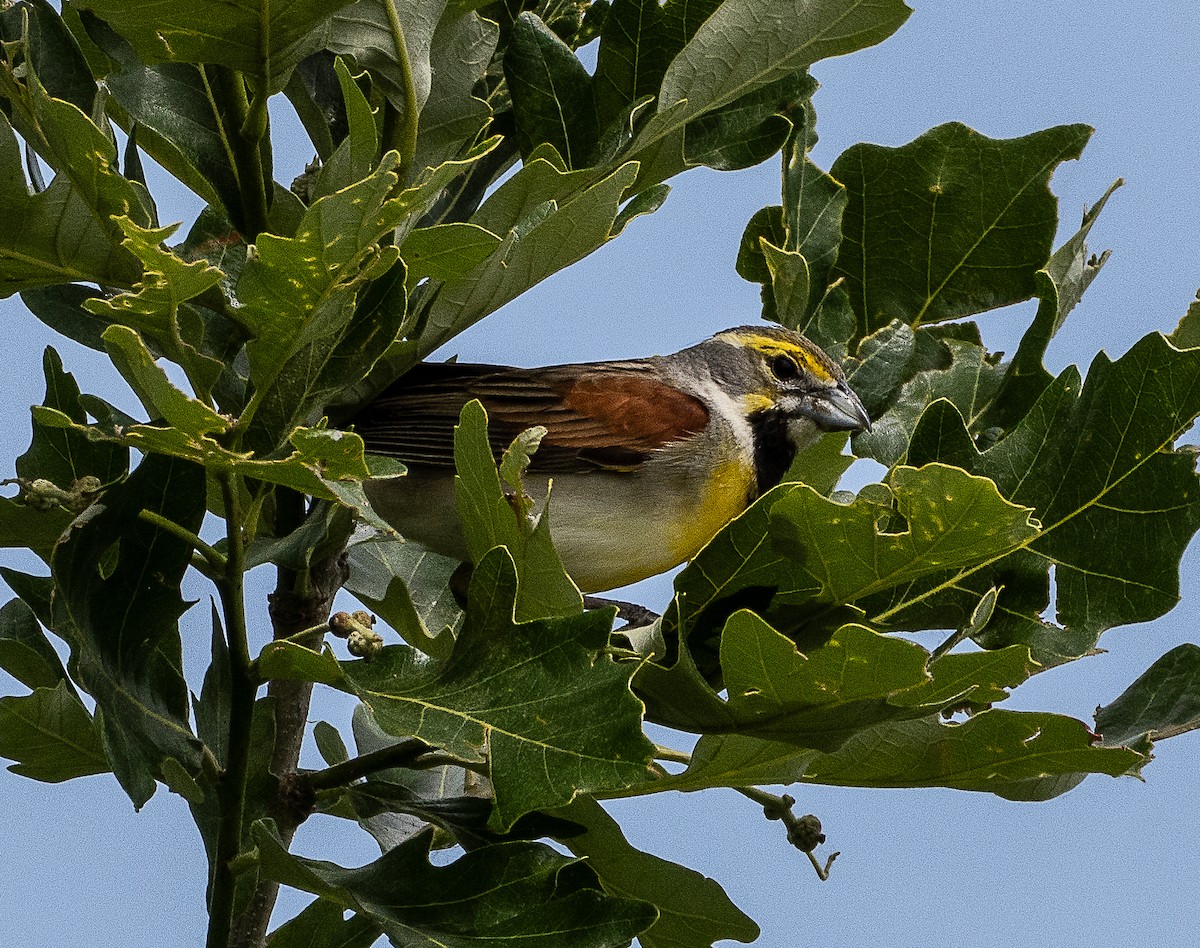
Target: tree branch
232	788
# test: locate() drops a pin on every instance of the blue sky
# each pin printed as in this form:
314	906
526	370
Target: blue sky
1114	861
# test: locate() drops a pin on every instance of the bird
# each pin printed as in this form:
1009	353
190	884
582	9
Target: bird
649	457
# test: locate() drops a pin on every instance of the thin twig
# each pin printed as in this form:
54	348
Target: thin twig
211	556
397	755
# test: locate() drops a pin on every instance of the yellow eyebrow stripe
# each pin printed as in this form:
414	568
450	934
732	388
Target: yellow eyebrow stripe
769	346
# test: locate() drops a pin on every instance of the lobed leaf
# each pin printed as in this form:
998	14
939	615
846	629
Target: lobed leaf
952	224
554	713
50	735
693	910
122	619
487	897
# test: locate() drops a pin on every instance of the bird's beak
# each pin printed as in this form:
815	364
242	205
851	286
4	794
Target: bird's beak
836	409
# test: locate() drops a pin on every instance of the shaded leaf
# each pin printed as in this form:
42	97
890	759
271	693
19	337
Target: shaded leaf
1117	503
551	92
408	588
1008	753
254	37
60	307
544	227
52	50
750	129
748	44
179	123
485	897
582	731
50	735
446	251
1060	286
123	622
65	455
693	910
25	652
321	925
34	254
452	117
358	152
1163	702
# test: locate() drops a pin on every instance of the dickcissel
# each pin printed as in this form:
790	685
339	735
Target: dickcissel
649	458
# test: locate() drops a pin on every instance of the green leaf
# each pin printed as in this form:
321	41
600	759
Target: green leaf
693	911
1013	754
153	305
254	37
446	251
80	152
61	307
297	290
822	464
970	382
1187	333
644	202
545	225
1117	503
25	652
1016	755
330	744
356	156
288	661
765	225
123	624
324	463
50	735
64	455
452	117
821	698
363	31
321	925
952	224
813	206
136	364
576	727
212	708
551	93
487	897
1163	702
953	521
490	519
635	48
978	677
1060	286
408	588
33	255
748	44
52	50
179	123
790	284
750	129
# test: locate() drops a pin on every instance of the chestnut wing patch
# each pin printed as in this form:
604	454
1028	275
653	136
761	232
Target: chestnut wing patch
611	417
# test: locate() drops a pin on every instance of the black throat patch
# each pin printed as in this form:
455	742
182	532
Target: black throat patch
773	449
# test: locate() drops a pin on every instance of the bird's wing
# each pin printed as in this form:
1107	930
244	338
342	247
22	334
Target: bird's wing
611	415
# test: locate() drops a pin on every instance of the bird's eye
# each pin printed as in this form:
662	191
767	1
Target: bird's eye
784	368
